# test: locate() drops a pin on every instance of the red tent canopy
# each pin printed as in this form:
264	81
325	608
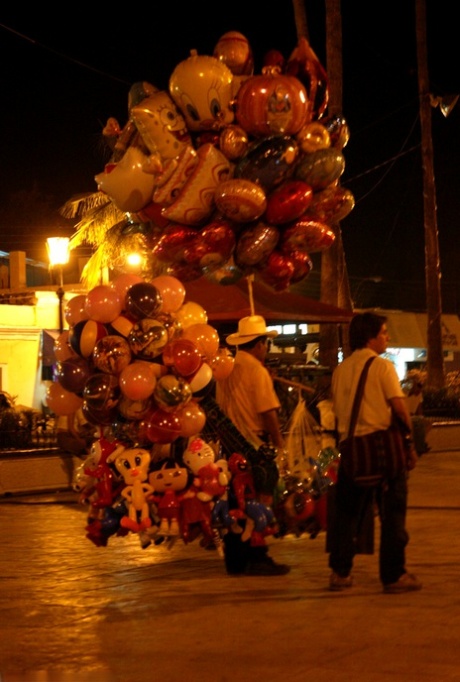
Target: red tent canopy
229	303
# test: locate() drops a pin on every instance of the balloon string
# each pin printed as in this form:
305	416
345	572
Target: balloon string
251	295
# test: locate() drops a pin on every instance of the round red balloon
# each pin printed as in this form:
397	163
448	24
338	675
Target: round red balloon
162	426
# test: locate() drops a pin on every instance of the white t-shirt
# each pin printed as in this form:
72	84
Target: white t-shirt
382	384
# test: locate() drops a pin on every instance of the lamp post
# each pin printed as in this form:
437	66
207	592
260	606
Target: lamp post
58	254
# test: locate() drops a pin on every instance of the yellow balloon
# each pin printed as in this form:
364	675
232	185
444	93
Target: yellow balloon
313	136
191	313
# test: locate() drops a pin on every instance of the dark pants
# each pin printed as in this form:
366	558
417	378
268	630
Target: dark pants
351	503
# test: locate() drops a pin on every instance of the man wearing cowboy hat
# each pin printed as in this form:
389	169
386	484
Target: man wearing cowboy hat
249	400
247	395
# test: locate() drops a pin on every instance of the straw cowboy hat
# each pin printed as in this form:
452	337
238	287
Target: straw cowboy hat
250	328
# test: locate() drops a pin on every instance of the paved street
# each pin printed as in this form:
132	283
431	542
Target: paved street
74	612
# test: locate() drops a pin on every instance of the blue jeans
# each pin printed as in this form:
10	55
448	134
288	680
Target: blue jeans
350	506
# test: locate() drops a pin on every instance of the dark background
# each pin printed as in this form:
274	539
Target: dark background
65	71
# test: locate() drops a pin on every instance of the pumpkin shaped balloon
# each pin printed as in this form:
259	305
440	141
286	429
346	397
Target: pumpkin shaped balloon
272	104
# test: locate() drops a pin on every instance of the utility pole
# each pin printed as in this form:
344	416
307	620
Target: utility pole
435	359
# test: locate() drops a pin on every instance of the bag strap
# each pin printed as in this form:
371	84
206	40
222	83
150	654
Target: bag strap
359	396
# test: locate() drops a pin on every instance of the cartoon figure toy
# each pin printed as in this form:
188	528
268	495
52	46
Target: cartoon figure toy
166	483
133	465
259	516
202	88
97	467
210	480
221	509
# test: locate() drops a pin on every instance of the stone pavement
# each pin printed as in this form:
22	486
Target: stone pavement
74	612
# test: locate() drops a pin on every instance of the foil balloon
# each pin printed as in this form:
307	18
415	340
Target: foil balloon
302	263
138	380
172	293
338	130
305	65
233	142
147	339
111	354
233	49
60	401
288	202
75	311
313	136
195	201
103	304
214	245
255	244
143	300
201	87
226	274
277	271
126	183
321	168
140	91
308	236
272	104
174	241
240	200
161	125
268	162
331	204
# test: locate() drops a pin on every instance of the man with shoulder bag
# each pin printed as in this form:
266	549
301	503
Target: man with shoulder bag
375	458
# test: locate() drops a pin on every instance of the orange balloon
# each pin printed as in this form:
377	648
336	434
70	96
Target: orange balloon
60	401
172	292
74	310
205	338
192	419
222	364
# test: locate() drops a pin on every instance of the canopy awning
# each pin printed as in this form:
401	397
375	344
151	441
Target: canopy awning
409	330
229	303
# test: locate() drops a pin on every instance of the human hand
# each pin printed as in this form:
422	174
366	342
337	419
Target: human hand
412	458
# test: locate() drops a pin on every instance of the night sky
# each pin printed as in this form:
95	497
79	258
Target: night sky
63	75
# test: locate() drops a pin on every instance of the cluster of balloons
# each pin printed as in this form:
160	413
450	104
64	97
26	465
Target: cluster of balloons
137	359
230	172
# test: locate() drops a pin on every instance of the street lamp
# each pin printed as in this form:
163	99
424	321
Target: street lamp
58	254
